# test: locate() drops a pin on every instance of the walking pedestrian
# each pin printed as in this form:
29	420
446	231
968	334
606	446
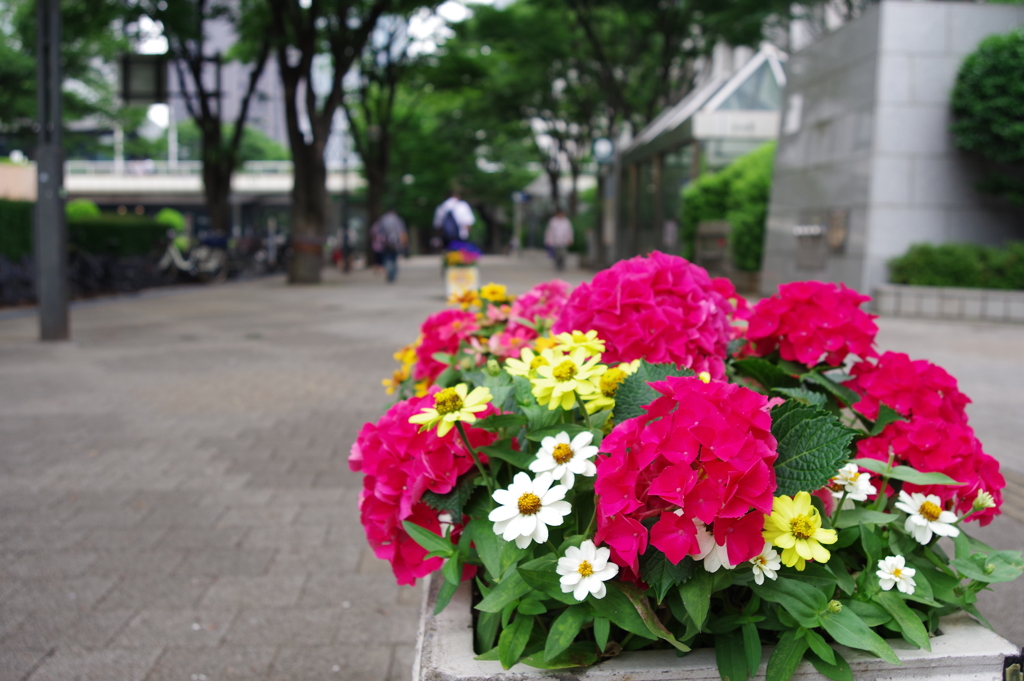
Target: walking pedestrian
453	218
393	240
558	237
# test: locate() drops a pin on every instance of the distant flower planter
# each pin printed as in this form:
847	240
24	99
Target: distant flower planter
444	652
460	279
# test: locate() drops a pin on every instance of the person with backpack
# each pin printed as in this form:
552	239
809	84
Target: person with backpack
453	218
393	239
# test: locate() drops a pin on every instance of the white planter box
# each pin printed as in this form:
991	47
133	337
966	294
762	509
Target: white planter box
966	651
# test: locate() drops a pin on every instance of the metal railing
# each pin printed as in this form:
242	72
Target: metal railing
150	167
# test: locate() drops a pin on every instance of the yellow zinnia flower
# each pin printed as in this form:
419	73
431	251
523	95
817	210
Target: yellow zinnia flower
795	527
495	293
399	377
568	342
529	361
544	343
465	300
451	405
607	385
557	385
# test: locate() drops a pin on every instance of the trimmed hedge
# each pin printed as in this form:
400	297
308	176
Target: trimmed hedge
958	264
739	193
16	229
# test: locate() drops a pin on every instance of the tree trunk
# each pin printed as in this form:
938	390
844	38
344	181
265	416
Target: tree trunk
574	193
374	202
553	174
217	192
309	216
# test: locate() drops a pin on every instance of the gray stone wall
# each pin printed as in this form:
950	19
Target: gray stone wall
865	149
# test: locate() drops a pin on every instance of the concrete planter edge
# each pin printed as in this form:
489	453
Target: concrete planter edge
966	651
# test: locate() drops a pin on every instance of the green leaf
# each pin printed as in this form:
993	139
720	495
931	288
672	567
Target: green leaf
862	516
909	623
654	624
428	540
571	429
578	655
452	570
565	628
872	614
844	394
819	646
803	601
486	629
454	501
886	415
509	589
444	596
531	606
503	451
602	628
751	646
812	446
510	555
696	595
906	473
808	397
513	640
539	416
849	630
448	378
730	656
840	671
786	657
961	546
547	582
616	607
635	392
496	422
488	545
523	390
764	372
660	574
1001	566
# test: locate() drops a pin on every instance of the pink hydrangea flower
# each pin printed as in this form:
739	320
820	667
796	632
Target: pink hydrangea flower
812	321
441	332
399	464
510	343
661	308
913	388
936	446
544	301
702	451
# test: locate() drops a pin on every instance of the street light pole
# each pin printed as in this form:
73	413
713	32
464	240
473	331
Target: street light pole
50	231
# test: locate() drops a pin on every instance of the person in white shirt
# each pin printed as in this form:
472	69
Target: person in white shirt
453	217
558	237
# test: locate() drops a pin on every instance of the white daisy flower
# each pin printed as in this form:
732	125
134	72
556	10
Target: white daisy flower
713	555
566	459
766	564
925	516
585	570
893	571
527	508
850	481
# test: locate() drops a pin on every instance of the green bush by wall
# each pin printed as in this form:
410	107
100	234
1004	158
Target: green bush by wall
738	193
171	218
15	229
76	209
966	265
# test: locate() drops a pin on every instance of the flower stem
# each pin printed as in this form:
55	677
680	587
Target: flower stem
583	408
472	452
552	547
882	498
590	525
839	507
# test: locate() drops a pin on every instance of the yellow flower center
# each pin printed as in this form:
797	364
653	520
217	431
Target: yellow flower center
611	380
562	454
585	569
802	527
835	486
566	371
538	361
447	401
762	561
930	511
897	573
529	504
855	476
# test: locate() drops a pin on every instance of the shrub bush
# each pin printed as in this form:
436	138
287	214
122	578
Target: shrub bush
111	234
77	209
15	229
739	194
171	218
966	265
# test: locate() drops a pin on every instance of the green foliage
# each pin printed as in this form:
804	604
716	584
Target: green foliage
171	218
957	264
738	194
813	445
636	392
110	234
15	229
77	209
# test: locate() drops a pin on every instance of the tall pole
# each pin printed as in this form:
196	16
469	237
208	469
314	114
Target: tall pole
50	231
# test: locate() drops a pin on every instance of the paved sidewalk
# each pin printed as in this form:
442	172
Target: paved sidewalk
175	501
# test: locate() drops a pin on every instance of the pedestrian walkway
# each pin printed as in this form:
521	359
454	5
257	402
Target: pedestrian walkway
175	501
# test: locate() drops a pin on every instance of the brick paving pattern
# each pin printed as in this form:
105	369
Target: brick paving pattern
175	501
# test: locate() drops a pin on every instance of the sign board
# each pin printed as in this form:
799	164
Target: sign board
144	79
736	124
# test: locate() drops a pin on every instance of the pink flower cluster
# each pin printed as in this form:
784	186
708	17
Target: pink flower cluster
912	387
399	464
544	300
936	439
808	321
702	452
661	308
441	332
932	445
